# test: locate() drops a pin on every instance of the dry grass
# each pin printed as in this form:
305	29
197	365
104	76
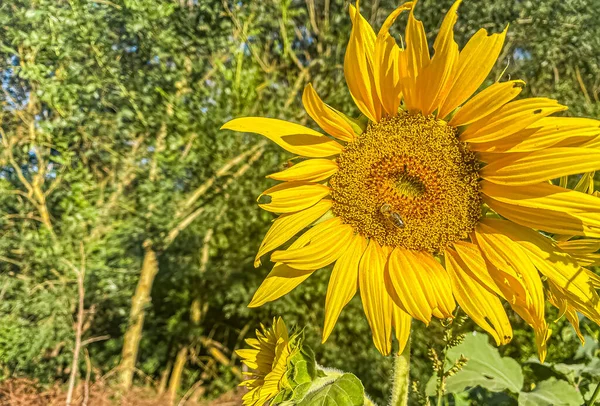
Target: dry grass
26	392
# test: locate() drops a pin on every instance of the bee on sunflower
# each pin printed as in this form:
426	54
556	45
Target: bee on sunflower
441	195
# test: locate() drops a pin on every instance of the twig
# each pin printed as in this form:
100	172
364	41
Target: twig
190	392
88	374
582	85
94	340
80	314
310	5
194	196
182	225
302	77
374	10
266	68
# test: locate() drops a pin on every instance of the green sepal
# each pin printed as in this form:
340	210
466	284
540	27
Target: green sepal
300	372
327	216
359	125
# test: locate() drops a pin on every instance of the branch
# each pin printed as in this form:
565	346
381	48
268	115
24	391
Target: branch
80	272
241	31
181	226
258	151
199	192
94	339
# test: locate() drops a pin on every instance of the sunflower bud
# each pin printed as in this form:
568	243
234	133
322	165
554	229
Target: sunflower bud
282	369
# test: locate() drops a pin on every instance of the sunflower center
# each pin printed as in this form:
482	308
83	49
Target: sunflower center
408	181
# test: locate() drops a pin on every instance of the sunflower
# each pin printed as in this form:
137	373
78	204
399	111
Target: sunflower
268	358
439	194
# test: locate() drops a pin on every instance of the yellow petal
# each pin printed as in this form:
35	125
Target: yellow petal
311	170
324	247
413	60
559	267
581	246
510	118
377	304
475	265
479	303
527	168
487	102
358	66
386	70
592	143
508	254
542	335
594	279
387	74
587	260
434	81
475	62
506	277
557	299
545	207
288	225
280	281
387	24
292	137
401	322
326	117
586	183
571	315
411	284
343	283
545	133
253	342
512	255
440	282
248	356
291	197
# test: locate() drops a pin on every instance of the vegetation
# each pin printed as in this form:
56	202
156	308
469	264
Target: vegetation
128	219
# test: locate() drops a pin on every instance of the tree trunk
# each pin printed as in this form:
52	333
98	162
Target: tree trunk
141	298
175	381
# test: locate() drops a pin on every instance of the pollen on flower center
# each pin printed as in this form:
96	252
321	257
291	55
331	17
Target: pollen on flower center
408	181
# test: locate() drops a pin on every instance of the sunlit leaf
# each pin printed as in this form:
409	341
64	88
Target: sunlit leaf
551	393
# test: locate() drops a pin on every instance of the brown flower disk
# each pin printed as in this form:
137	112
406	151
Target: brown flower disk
409	182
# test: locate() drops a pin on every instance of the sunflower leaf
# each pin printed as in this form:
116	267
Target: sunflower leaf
551	392
485	367
344	390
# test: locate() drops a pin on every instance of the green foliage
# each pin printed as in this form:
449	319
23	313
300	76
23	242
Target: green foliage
486	369
301	372
343	390
551	392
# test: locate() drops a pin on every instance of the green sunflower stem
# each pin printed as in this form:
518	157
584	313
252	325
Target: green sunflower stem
595	396
401	377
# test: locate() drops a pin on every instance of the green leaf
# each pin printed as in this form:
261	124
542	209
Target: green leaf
301	367
573	371
485	367
590	392
346	390
551	393
461	399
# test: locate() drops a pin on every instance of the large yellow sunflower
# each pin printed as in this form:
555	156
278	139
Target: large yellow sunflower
439	196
